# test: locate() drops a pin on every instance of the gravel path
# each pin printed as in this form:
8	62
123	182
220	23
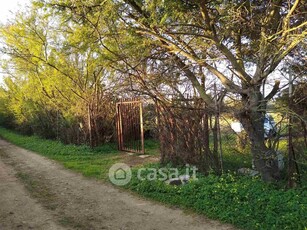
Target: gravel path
38	193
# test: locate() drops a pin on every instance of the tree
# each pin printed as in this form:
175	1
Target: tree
240	43
56	73
240	35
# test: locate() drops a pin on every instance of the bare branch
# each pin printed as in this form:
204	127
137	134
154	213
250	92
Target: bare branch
273	91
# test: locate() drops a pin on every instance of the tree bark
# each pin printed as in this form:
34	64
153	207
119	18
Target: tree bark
252	119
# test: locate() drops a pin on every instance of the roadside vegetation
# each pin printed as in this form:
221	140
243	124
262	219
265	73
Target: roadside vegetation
193	67
246	202
90	162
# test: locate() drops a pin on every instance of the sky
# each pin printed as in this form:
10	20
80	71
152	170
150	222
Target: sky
9	6
7	9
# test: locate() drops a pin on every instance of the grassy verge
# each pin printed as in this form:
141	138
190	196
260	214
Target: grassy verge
242	201
90	162
246	202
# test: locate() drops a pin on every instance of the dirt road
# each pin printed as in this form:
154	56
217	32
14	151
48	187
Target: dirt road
38	193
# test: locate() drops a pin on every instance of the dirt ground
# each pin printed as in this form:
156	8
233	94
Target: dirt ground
38	193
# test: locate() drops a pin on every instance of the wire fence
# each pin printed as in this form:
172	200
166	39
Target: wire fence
189	132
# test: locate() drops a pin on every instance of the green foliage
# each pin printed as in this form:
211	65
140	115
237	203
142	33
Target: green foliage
71	59
243	201
6	118
90	162
152	147
56	79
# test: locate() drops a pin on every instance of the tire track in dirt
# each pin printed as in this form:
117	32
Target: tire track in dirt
18	210
76	202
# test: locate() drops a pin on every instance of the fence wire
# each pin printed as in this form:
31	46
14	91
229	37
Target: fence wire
189	132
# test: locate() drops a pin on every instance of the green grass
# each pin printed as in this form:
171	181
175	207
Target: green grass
90	162
152	147
246	202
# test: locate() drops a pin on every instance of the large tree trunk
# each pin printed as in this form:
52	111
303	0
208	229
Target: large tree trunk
252	119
